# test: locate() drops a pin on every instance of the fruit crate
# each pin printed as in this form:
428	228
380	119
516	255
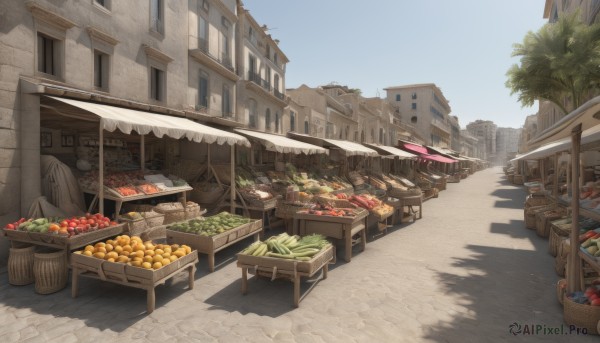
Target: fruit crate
64	242
278	268
212	244
341	228
131	276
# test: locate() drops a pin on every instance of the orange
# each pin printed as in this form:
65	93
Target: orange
174	246
112	255
99	255
101	249
139	253
173	258
146	265
148	259
111	242
109	247
123	259
158	251
111	260
89	248
87	253
125	253
187	249
179	253
99	244
157	258
149	252
166	255
136	263
165	261
127	248
118	249
53	228
156	265
141	259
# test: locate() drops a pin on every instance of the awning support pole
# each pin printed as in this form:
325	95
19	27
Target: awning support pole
573	262
232	188
555	186
101	168
142	152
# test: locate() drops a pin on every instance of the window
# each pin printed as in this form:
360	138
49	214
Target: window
414	96
267	78
356	136
205	5
397	97
414	106
252	69
203	90
202	34
157	84
47	54
157	16
268	52
275	58
380	136
277	122
413	119
226	102
253	113
306	127
225	53
101	71
268	119
292	121
276	82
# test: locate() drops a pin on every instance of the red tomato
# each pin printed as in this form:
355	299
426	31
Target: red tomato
83	221
101	226
596	302
10	226
88	215
72	224
92	222
113	223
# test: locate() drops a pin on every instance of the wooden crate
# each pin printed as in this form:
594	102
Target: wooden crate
130	276
212	244
293	270
64	242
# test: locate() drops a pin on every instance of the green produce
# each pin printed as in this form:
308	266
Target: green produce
288	247
211	226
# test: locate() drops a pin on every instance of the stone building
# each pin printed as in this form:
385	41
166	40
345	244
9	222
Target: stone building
588	9
261	65
485	132
425	107
507	143
469	145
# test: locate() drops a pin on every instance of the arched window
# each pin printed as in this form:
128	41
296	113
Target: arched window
252	113
306	127
268	119
276	82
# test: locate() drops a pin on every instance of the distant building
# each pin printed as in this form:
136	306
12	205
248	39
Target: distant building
425	107
507	143
529	131
469	145
588	9
485	132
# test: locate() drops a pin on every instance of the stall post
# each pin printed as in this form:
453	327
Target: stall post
101	167
232	188
542	167
142	152
573	262
555	190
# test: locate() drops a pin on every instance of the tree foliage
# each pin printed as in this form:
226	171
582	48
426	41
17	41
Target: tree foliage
559	63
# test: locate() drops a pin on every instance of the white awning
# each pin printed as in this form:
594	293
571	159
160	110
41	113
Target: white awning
349	148
127	120
588	136
393	151
282	144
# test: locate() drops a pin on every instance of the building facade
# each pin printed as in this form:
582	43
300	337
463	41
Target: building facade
507	144
588	9
469	145
485	132
425	107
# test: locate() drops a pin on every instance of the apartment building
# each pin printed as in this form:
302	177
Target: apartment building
485	132
455	136
507	143
261	64
528	132
425	107
469	145
588	9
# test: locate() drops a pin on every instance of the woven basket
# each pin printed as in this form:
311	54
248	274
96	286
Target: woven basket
208	197
335	203
533	200
286	210
544	221
564	248
173	211
135	227
153	218
192	210
582	316
560	264
531	212
138	207
50	271
20	266
518	179
561	290
555	239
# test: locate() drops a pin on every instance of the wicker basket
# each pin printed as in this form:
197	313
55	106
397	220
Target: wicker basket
561	289
335	203
543	221
286	210
555	239
582	316
377	183
173	211
20	266
138	207
50	270
153	218
534	200
518	179
207	197
530	213
135	227
510	177
192	210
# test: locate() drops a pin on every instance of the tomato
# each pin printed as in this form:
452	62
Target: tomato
101	226
10	226
88	215
92	222
113	223
72	224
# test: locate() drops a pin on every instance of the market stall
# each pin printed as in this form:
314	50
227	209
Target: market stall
110	119
279	145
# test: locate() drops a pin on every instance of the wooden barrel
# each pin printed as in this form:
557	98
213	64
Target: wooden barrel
20	266
50	270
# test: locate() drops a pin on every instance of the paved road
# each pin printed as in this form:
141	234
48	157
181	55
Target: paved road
463	273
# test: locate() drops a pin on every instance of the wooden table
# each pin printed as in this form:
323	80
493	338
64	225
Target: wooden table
414	200
119	200
341	228
292	270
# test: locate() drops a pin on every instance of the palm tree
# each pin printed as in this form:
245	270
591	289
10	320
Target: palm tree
559	63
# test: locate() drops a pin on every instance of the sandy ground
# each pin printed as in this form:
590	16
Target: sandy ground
464	273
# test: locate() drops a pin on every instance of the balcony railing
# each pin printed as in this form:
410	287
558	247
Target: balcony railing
203	45
254	77
266	85
279	94
226	61
440	125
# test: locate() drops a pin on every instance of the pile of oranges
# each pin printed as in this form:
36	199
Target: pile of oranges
135	252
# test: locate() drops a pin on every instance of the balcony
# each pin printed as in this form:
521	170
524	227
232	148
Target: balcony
279	94
211	62
203	45
440	125
226	61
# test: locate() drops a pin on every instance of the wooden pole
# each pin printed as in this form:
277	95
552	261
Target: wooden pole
573	263
555	190
101	168
208	156
142	152
232	188
542	168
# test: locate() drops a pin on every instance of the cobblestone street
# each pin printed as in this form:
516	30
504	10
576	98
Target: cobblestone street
463	273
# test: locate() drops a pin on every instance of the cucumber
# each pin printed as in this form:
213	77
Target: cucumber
306	246
272	254
252	248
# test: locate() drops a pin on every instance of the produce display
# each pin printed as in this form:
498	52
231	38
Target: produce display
288	247
372	204
591	295
66	227
590	242
130	183
135	252
257	192
327	210
211	226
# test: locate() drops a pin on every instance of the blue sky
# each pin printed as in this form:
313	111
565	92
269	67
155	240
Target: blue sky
462	46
